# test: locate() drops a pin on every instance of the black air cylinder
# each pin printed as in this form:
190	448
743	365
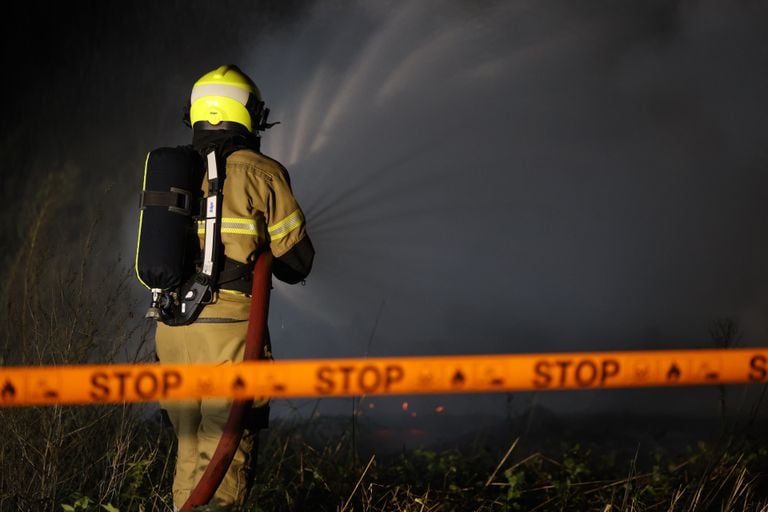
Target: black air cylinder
168	244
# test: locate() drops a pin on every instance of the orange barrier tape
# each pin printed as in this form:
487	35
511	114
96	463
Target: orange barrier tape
98	384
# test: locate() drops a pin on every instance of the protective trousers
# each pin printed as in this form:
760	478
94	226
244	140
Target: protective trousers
218	336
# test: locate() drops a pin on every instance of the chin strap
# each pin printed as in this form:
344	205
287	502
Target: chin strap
263	123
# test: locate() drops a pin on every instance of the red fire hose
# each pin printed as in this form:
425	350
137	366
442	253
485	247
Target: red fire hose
254	349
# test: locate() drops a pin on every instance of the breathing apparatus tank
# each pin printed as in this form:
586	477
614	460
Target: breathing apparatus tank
168	245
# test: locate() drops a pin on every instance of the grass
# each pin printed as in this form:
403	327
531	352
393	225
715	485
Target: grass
303	470
312	465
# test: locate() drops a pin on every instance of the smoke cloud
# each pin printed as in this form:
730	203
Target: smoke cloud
477	177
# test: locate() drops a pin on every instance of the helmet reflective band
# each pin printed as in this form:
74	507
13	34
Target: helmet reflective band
229	91
222	95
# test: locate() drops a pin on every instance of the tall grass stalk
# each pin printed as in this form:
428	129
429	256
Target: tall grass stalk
65	302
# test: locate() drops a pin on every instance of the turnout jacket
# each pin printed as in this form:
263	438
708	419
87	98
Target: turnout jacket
259	208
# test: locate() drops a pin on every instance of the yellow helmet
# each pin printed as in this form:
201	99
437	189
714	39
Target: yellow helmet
226	94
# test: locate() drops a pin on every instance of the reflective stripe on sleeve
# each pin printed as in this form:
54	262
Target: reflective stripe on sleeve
285	226
233	226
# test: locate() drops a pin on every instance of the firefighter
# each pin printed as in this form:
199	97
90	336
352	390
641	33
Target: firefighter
259	212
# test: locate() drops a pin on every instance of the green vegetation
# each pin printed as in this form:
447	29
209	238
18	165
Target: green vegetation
324	475
127	466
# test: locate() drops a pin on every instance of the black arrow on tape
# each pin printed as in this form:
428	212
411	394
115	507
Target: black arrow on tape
8	392
239	384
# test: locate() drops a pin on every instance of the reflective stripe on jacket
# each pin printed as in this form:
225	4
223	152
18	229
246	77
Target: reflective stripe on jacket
258	207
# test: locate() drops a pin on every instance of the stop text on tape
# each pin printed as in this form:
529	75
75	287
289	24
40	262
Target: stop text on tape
99	384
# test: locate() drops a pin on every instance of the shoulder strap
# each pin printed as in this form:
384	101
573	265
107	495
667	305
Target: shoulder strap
198	290
212	217
223	271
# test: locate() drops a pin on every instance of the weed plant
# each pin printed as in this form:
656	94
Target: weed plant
65	302
300	470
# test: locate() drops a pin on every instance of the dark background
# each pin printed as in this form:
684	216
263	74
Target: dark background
486	177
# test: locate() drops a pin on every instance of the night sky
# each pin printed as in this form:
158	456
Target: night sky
477	177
